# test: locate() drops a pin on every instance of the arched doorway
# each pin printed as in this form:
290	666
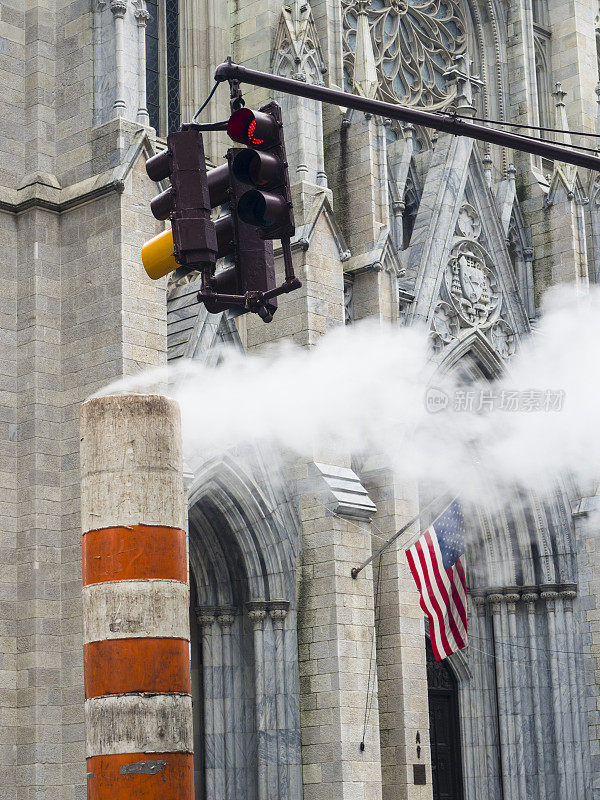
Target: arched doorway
444	730
245	682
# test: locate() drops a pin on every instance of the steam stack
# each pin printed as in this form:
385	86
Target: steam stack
138	706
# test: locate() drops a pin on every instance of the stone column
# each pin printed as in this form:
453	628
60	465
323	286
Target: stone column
257	611
226	618
138	705
482	742
511	599
467	726
119	9
278	612
530	598
496	601
551	596
206	41
142	16
206	618
568	595
218	710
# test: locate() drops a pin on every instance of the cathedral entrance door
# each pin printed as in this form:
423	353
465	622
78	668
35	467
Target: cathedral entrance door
444	731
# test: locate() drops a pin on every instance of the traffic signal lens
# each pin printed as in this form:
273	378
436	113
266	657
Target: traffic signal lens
258	169
253	128
261	208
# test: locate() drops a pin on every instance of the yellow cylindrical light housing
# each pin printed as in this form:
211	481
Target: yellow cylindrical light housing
157	255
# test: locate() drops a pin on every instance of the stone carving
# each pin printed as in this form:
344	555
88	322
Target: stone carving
414	44
141	12
118	8
297	53
470	296
438	675
348	300
472	286
468	223
445	322
503	339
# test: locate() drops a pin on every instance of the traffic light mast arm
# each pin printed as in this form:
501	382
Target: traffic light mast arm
453	124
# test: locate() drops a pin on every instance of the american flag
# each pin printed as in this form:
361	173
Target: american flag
437	562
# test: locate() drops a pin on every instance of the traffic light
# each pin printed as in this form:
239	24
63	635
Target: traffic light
256	215
192	240
268	205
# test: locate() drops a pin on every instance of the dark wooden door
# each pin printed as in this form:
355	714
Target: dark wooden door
444	731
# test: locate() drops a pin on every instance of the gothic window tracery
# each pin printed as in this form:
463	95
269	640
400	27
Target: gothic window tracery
414	43
541	15
411	206
162	65
543	77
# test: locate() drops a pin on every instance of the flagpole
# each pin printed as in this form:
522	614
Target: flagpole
356	570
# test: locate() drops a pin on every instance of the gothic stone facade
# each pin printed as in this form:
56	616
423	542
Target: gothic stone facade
391	223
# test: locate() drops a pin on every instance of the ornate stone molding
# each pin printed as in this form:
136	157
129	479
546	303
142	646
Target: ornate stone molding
141	12
297	52
526	594
530	599
549	596
466	84
118	8
511	598
205	616
257	611
495	601
278	611
225	616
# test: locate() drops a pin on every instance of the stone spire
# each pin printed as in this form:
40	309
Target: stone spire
466	84
562	123
365	70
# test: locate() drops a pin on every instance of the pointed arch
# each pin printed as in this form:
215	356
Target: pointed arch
473	355
241	537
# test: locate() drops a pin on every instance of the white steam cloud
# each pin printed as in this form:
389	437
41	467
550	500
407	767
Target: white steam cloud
373	389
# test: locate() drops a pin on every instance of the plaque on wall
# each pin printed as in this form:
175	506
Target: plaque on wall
419	774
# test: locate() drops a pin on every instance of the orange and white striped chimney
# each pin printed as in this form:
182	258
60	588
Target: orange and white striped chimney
138	708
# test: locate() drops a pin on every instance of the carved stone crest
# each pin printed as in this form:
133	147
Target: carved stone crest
472	285
470	296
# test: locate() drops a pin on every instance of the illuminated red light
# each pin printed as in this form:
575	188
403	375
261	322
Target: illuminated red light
254	139
253	128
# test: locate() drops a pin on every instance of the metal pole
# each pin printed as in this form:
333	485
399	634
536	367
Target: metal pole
449	123
355	570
